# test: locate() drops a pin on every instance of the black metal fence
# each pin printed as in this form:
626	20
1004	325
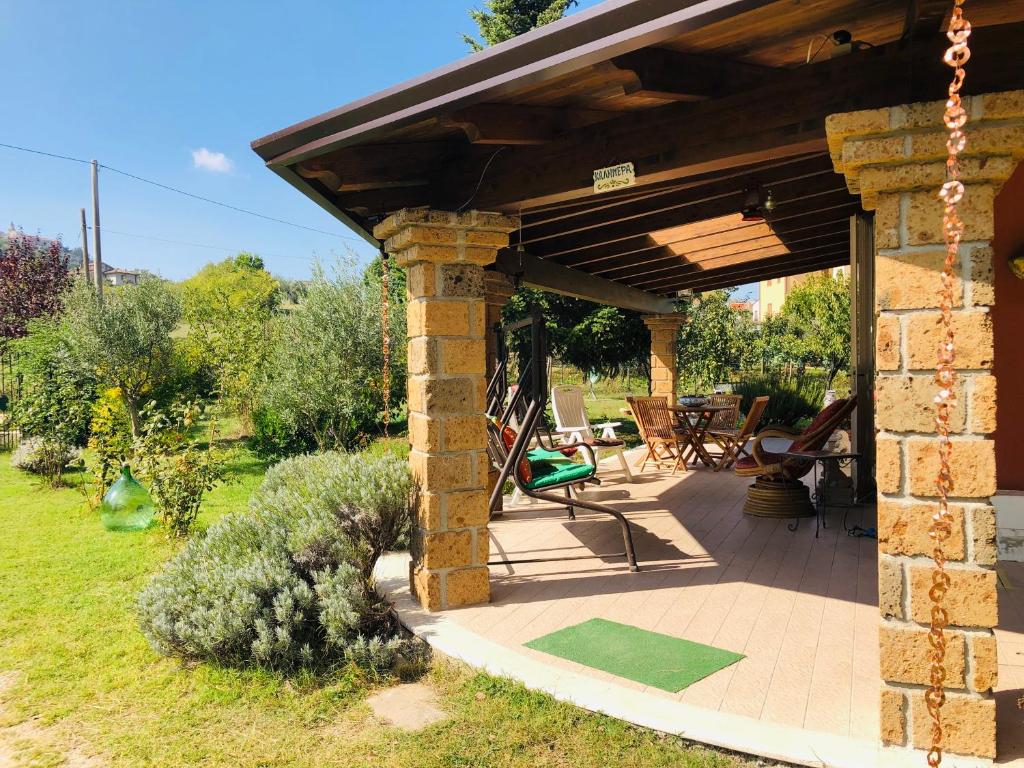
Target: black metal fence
10	391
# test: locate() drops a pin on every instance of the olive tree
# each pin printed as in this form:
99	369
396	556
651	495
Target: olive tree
126	338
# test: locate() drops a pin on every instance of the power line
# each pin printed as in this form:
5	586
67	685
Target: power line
108	230
45	154
183	192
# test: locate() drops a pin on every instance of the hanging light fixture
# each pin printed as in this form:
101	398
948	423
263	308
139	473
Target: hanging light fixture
756	202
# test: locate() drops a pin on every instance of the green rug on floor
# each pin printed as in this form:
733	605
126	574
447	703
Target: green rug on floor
661	661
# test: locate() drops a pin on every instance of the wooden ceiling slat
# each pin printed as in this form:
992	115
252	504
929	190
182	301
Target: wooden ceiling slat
667	255
805	199
834	206
786	182
755	271
655	282
723	256
839	259
542	215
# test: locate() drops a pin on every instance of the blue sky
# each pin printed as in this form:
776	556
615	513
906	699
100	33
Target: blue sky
140	86
175	91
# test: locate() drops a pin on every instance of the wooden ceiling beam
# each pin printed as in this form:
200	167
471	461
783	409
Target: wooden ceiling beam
816	172
513	124
764	269
831	206
802	198
924	18
783	117
723	256
541	215
538	273
703	246
655	282
675	76
839	259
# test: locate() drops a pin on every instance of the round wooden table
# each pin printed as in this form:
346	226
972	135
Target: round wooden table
696	430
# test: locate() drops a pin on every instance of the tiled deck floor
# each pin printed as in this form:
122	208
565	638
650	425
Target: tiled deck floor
802	610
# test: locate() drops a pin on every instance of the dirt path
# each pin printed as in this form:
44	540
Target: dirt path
21	739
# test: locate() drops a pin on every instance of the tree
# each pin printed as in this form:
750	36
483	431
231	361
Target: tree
715	341
818	313
125	339
33	277
325	385
504	19
606	340
228	307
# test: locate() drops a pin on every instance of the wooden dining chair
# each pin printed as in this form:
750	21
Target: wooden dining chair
733	442
725	419
657	428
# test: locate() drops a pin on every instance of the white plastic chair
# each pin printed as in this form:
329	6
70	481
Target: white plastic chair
572	424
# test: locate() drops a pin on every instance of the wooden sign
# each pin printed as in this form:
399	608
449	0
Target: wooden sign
614	177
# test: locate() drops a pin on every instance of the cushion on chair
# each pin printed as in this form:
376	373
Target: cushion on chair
551	474
819	421
508	437
747	465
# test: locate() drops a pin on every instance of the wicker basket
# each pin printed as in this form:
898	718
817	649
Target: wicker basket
779	499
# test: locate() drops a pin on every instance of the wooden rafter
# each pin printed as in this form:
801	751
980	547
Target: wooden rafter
676	76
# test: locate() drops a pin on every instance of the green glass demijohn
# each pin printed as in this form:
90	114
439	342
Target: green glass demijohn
127	505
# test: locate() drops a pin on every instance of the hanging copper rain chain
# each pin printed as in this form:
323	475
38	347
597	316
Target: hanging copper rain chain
951	194
385	331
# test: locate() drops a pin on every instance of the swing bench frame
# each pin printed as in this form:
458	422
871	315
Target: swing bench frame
527	405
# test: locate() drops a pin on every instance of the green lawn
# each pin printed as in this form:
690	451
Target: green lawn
86	680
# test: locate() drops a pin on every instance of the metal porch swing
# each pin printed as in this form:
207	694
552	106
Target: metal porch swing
542	471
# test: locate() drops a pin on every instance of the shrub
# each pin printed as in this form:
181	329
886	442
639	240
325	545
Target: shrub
790	400
43	456
179	473
57	396
274	438
286	584
110	443
325	384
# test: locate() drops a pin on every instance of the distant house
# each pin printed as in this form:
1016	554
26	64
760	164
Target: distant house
121	277
117	276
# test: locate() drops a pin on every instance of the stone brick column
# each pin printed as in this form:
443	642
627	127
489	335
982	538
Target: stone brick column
895	159
664	375
444	254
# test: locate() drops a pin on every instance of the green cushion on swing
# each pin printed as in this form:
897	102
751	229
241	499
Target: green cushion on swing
542	454
558	474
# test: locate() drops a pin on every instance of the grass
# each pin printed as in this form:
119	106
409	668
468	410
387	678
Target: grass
86	679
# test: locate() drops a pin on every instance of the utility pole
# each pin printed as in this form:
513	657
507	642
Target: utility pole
85	248
97	256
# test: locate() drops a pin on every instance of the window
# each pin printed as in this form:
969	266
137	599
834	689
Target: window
769	310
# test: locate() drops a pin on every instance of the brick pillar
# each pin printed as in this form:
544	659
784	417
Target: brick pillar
444	254
664	376
895	159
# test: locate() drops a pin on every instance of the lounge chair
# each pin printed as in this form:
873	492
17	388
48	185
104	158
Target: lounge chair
778	490
572	424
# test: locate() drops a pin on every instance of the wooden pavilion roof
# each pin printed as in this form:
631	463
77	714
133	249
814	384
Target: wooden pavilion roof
705	98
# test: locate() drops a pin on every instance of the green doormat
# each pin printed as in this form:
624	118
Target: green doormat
665	662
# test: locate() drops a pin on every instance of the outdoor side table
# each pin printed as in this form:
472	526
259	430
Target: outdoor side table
697	429
819	496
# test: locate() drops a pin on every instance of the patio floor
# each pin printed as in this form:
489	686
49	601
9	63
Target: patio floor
802	610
